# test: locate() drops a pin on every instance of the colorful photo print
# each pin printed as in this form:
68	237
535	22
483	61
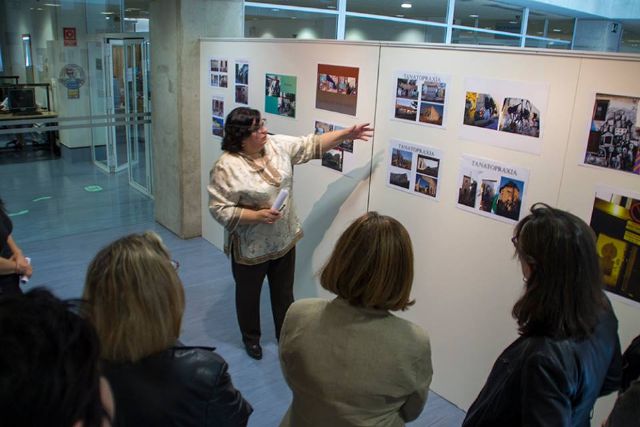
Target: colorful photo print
480	110
614	137
218	72
420	98
242	73
426	185
280	95
337	88
433	92
428	165
406	109
492	189
509	200
520	116
414	168
407	89
431	113
401	158
217	126
616	221
333	159
399	179
242	95
217	106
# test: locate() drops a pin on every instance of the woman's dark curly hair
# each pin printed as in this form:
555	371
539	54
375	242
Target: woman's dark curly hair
563	297
240	123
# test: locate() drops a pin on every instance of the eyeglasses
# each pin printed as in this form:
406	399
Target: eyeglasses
262	123
175	264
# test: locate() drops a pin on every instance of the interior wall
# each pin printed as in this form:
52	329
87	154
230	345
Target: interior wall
466	279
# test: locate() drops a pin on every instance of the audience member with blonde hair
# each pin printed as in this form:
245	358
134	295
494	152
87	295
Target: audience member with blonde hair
137	302
349	361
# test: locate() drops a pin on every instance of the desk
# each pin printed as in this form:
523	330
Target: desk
20	124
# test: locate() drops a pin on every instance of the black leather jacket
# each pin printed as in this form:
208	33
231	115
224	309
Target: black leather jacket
182	386
539	381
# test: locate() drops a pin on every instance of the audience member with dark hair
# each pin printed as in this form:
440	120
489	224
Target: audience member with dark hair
568	352
244	183
136	304
12	262
350	361
49	373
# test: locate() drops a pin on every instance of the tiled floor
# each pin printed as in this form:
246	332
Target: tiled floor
61	222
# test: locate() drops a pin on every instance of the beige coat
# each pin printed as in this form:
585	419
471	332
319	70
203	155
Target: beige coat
350	366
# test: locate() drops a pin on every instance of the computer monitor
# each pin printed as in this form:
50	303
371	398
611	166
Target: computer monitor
22	100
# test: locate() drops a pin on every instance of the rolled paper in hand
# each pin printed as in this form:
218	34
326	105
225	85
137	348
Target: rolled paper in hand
282	197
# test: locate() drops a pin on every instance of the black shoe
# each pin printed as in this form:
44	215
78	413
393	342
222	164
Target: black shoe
254	351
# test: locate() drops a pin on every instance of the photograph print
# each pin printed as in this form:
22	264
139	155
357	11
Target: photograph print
401	158
406	109
615	219
280	95
414	168
333	159
426	185
614	136
480	110
428	165
420	98
431	113
217	106
218	69
520	116
337	88
242	73
217	126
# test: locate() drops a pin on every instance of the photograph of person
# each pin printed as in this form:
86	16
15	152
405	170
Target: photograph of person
488	190
337	88
480	110
508	200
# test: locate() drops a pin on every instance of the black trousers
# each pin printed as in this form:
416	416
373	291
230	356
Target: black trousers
249	279
10	285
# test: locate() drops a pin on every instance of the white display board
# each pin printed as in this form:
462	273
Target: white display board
466	278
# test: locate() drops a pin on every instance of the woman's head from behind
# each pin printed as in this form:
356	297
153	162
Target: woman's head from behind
563	282
372	264
135	296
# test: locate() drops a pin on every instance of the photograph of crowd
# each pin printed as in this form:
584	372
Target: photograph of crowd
614	136
280	95
218	69
491	189
480	110
337	88
422	164
520	116
420	98
616	221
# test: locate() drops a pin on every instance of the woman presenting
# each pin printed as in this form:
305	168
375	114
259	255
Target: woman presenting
12	263
244	183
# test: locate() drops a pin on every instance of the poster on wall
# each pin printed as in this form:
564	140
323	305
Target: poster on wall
614	135
420	98
414	169
337	88
341	158
492	189
219	72
615	219
242	82
506	114
217	115
280	95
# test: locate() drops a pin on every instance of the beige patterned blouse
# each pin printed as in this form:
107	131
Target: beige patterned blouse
237	182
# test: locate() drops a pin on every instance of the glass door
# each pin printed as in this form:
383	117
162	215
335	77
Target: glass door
136	100
117	138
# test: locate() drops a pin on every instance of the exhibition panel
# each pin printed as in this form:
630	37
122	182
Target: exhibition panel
466	141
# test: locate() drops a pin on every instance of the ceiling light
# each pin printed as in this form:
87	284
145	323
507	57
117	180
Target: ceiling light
107	17
557	30
132	9
474	16
406	5
107	13
399	16
52	5
275	10
513	22
331	7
